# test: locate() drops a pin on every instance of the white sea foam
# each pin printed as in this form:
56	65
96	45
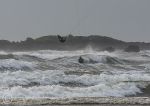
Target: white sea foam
53	54
3	53
98	85
57	91
113	80
16	64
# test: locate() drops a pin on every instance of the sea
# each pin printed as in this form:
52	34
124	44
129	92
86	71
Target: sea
59	74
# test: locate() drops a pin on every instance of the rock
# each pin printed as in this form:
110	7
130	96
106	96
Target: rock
81	60
132	48
110	49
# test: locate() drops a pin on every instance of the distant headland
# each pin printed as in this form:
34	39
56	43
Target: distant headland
97	42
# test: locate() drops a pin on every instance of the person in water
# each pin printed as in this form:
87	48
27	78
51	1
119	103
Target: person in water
81	60
62	39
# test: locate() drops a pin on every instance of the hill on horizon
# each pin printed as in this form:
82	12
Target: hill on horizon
72	43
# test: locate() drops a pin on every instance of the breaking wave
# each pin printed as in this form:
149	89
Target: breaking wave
12	64
38	74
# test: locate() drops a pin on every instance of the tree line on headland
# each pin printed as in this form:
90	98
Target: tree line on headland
72	43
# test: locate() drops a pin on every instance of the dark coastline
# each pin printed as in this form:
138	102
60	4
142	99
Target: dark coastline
97	42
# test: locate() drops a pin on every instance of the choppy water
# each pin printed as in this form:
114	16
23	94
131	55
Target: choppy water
57	74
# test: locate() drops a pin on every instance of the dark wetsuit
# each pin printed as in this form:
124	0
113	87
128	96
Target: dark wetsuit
61	39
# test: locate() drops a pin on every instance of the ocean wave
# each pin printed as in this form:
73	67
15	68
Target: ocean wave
13	64
57	91
50	73
84	85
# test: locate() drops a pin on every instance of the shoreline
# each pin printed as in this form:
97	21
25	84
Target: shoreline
79	101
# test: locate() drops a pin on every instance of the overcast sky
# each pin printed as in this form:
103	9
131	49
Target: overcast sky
128	20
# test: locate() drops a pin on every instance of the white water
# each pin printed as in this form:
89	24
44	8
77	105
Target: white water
17	64
60	75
